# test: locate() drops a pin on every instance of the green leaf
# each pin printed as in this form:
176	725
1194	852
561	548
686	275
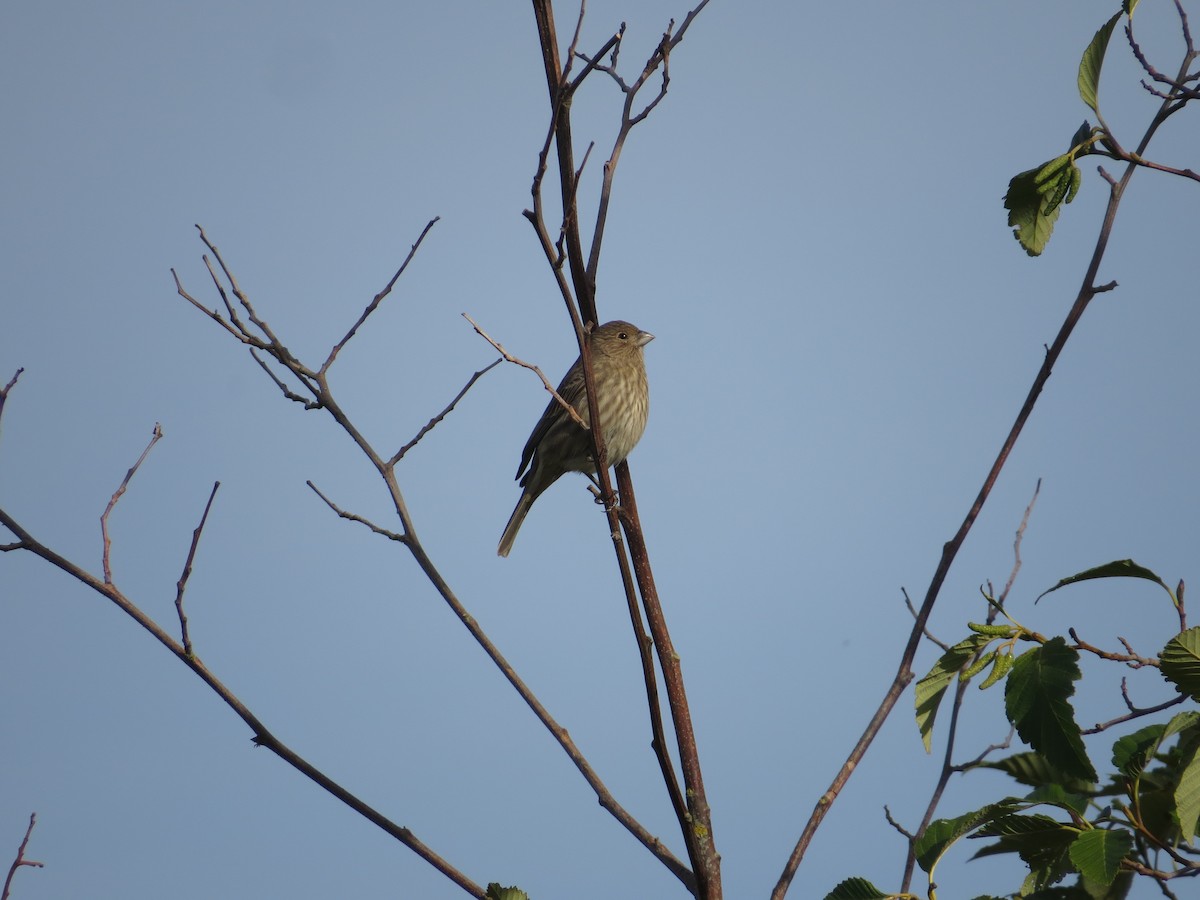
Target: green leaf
496	892
942	833
1133	752
1036	700
930	689
856	889
1035	197
1097	854
1040	841
1128	6
1035	770
1187	791
1180	662
1093	59
1057	795
1120	568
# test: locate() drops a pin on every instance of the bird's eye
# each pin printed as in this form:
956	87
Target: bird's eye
623	336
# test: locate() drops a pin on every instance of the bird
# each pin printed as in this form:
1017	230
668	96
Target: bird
559	445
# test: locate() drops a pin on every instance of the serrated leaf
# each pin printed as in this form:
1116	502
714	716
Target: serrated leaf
1179	662
1093	60
942	833
1036	701
1097	854
496	892
929	690
856	889
1040	841
1031	225
1035	770
1119	568
1057	795
1133	752
1187	793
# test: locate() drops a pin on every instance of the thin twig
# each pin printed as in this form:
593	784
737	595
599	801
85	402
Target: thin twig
928	634
154	439
12	382
1135	712
1130	658
374	304
904	673
318	383
261	735
353	517
429	426
571	411
181	585
20	860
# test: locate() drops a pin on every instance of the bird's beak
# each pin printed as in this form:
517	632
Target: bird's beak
644	338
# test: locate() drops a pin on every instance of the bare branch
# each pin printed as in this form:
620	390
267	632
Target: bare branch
12	382
429	426
390	535
1135	712
20	860
181	585
262	736
284	389
928	634
374	304
520	362
154	439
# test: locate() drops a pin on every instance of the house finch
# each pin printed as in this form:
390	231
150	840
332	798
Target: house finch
559	445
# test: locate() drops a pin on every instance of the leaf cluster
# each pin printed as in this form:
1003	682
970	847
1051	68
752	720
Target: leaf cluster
1070	823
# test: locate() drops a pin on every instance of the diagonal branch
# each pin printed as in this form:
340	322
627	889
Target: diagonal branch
181	585
262	736
904	674
378	298
432	423
117	494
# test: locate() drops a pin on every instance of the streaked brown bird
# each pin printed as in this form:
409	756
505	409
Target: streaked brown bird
558	445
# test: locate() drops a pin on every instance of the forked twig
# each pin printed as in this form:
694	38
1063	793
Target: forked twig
531	367
20	859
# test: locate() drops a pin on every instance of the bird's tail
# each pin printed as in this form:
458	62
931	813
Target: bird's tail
514	523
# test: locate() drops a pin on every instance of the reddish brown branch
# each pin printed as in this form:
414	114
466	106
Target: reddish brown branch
318	384
904	673
20	860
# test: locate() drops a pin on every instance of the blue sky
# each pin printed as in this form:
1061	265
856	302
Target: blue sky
810	223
